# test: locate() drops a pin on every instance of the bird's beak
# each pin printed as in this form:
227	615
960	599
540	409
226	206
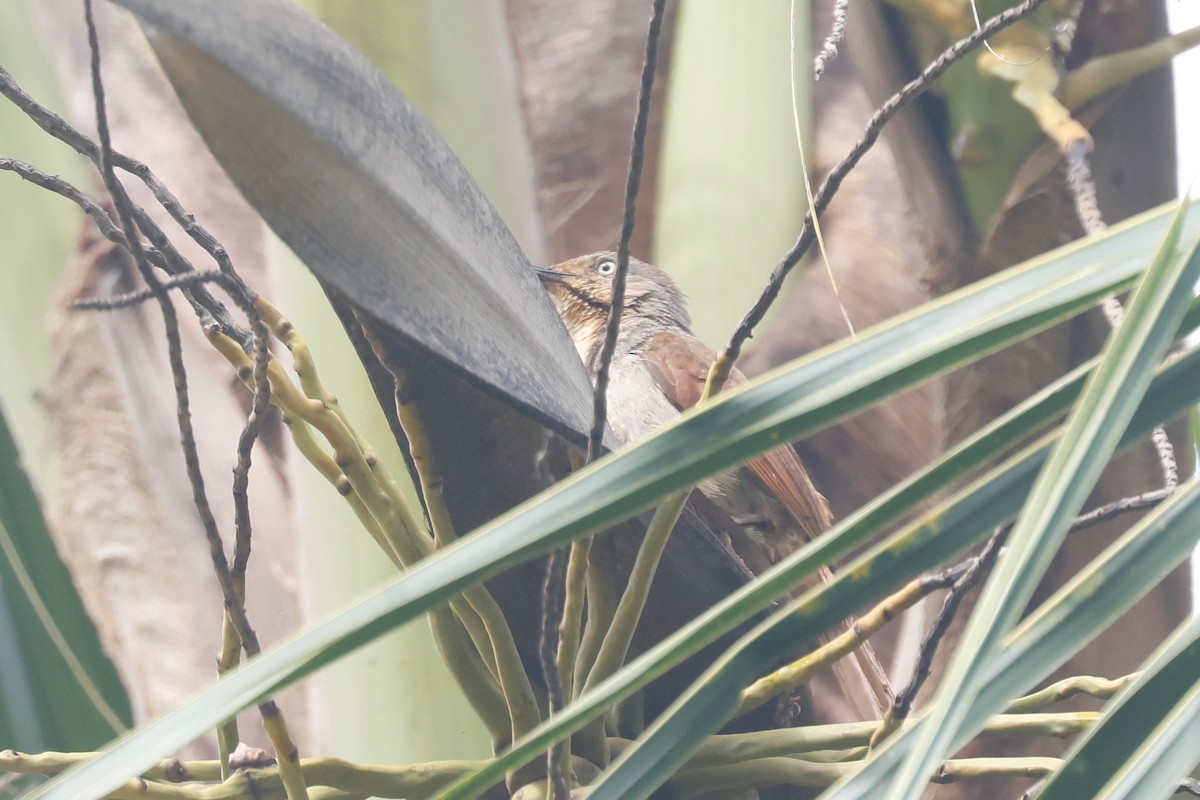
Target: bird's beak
551	276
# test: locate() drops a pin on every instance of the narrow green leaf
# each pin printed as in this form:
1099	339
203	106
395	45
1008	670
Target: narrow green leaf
1194	429
1095	598
782	405
71	684
1130	752
1093	429
964	520
971	515
1073	616
20	718
647	764
987	443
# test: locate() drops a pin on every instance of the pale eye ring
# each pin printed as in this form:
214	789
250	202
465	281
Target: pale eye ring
606	267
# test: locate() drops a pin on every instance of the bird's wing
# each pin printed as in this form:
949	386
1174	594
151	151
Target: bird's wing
679	364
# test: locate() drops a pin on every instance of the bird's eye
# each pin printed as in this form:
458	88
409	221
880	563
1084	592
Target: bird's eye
606	267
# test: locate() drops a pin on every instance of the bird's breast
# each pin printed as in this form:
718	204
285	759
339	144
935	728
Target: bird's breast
637	407
636	404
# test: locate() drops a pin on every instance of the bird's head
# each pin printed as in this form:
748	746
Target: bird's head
582	291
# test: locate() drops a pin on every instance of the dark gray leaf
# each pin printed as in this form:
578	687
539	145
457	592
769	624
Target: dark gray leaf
351	177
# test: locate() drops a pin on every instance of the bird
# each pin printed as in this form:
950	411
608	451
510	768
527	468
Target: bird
658	371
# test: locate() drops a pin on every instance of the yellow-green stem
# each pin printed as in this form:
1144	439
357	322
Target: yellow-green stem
572	618
615	647
590	742
1097	75
801	670
479	686
383	515
227	734
514	681
1101	688
601	608
287	755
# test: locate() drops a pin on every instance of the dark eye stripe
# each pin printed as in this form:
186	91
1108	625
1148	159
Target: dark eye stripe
584	298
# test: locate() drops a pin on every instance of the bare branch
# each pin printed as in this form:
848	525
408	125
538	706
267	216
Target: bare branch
1087	206
833	181
1122	506
556	567
975	569
632	186
205	304
232	584
829	49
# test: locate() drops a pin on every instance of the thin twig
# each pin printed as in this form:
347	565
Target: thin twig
245	301
976	569
1083	191
829	49
65	189
553	588
104	223
632	186
1122	506
286	750
231	641
117	302
161	254
855	636
262	397
59	128
1087	206
829	187
556	566
125	214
